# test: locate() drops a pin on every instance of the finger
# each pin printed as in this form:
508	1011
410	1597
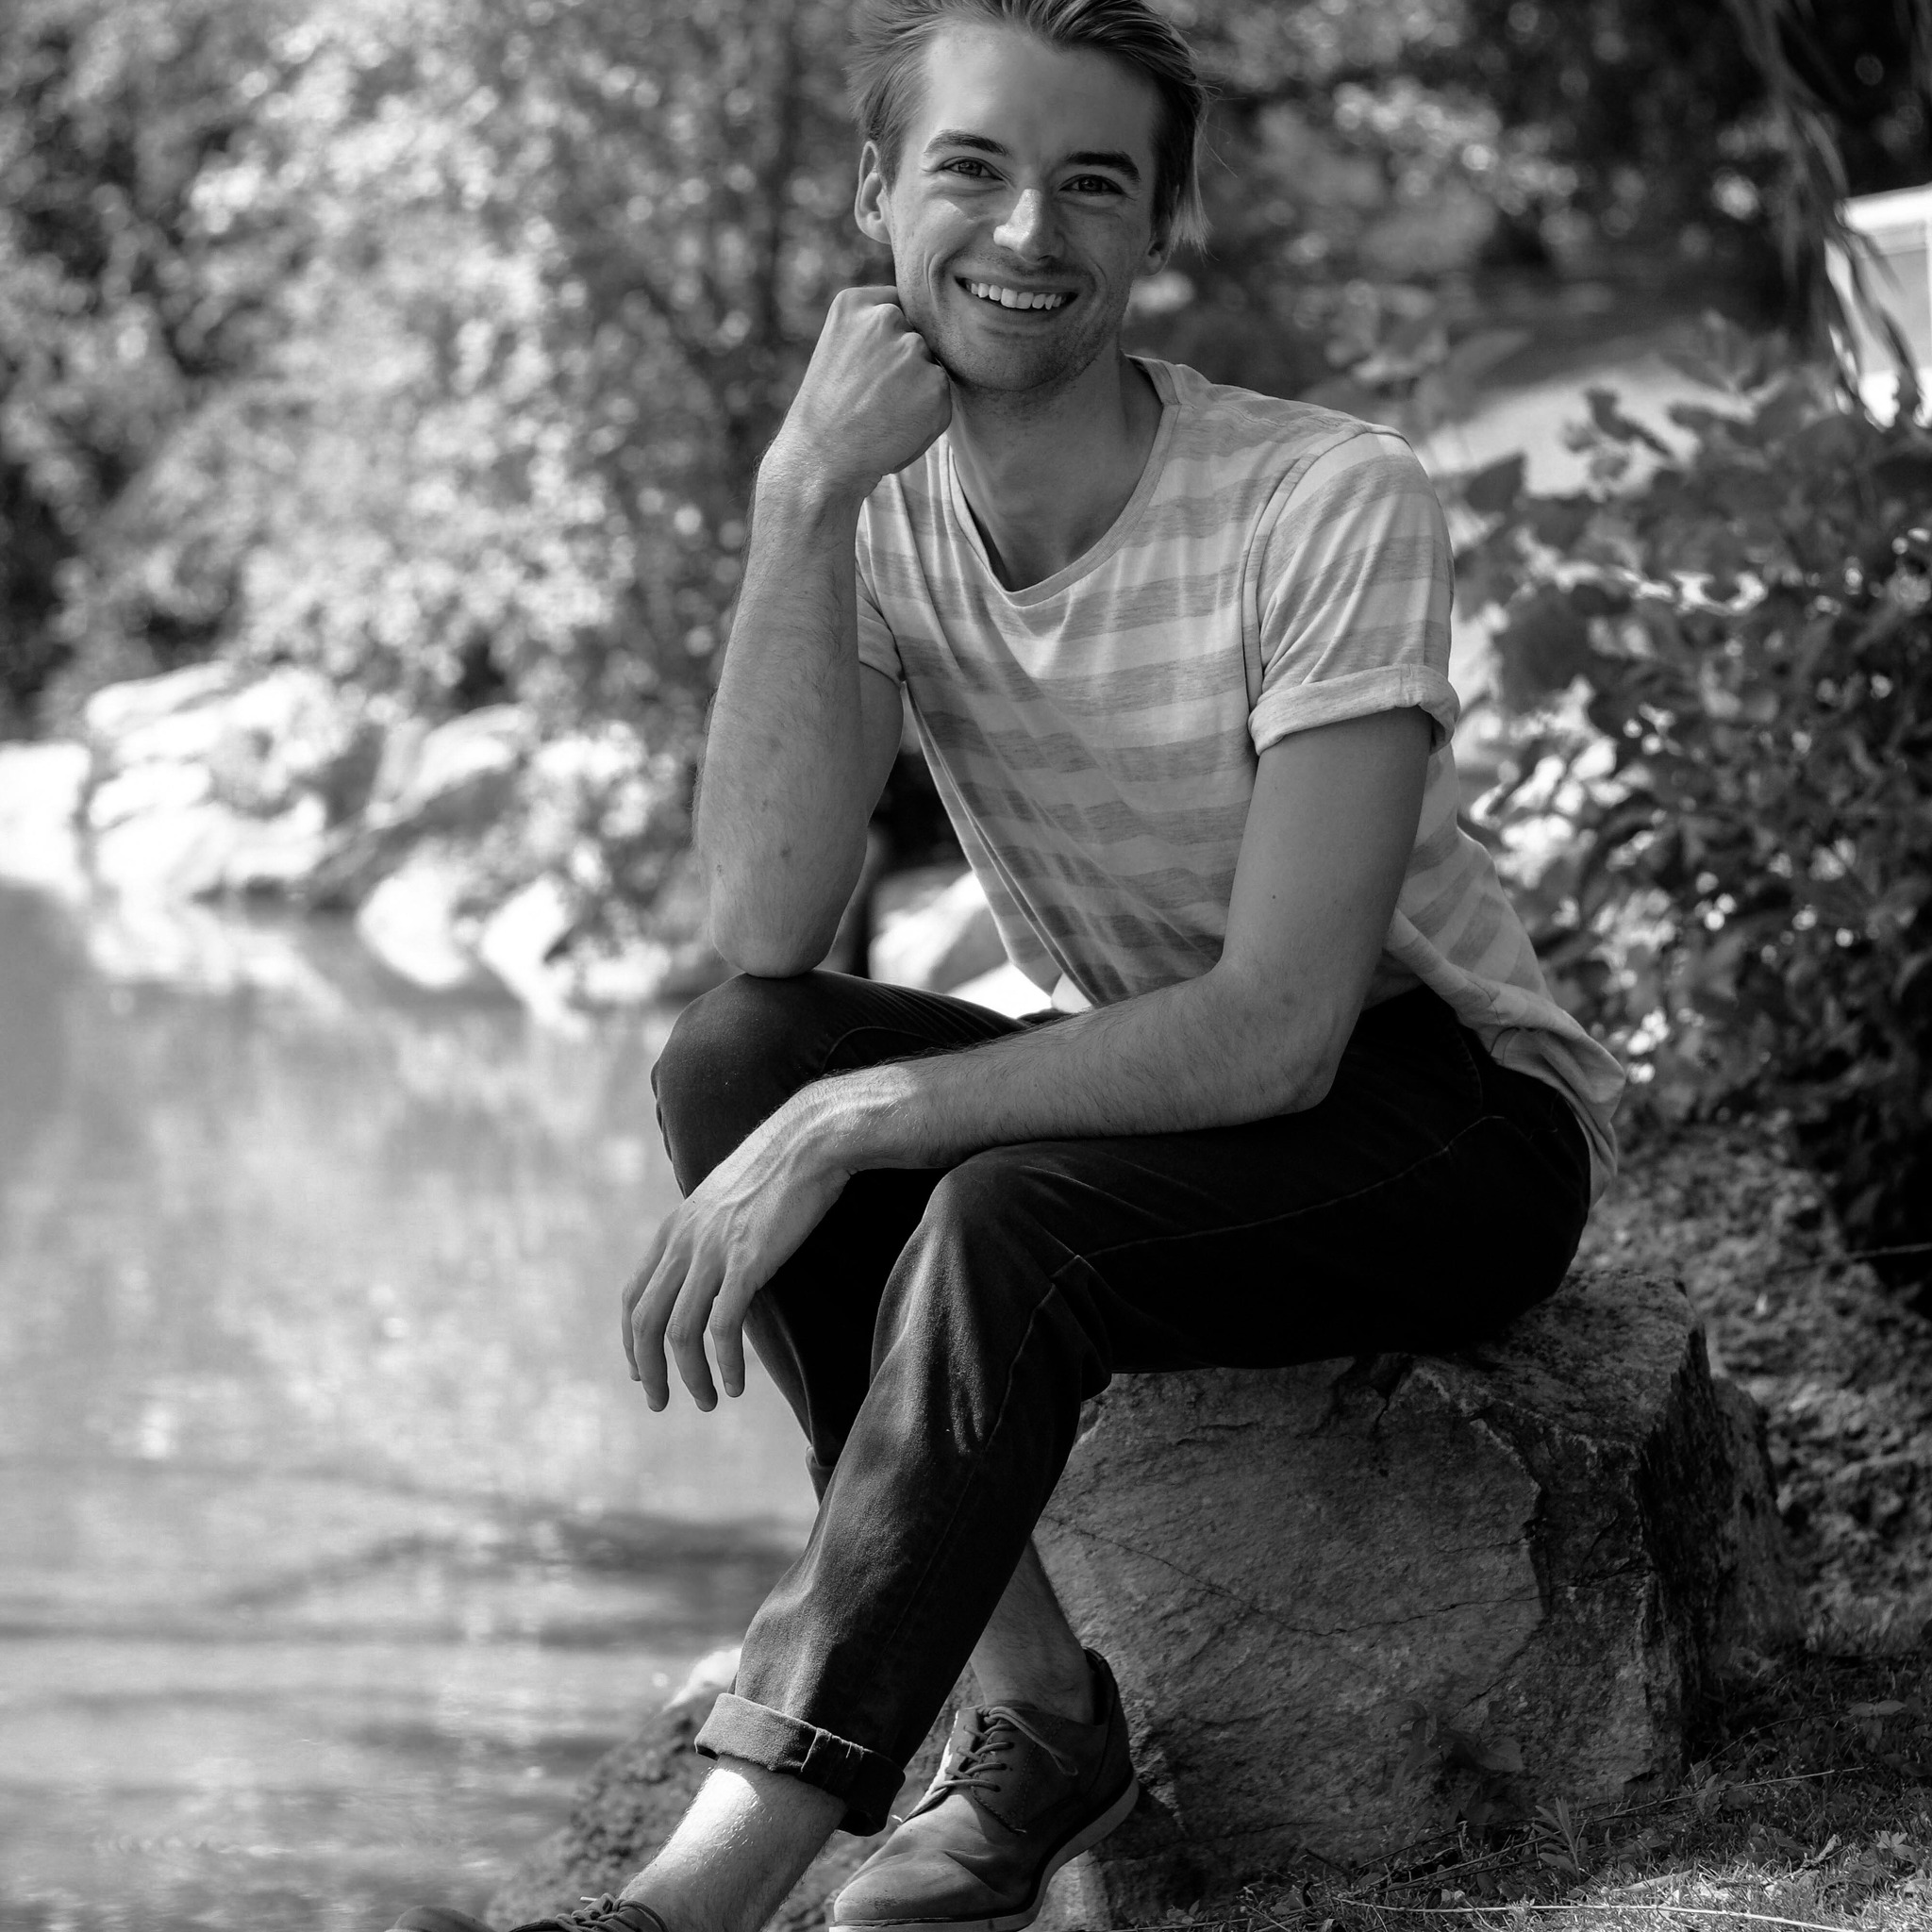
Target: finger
634	1288
684	1333
648	1320
727	1331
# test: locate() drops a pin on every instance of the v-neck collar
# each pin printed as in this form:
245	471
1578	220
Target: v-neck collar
1113	538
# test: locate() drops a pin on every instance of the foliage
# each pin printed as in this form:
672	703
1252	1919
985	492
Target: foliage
554	277
115	318
437	347
1385	152
1720	809
527	289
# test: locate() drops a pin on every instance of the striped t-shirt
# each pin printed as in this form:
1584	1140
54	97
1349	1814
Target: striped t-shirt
1094	736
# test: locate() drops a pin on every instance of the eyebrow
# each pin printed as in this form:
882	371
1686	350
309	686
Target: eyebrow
1116	159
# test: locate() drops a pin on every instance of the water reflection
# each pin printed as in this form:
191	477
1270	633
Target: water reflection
333	1541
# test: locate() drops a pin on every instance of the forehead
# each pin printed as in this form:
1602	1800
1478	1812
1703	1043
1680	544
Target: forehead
1035	99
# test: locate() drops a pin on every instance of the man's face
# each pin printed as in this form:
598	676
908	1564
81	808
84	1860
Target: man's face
1022	209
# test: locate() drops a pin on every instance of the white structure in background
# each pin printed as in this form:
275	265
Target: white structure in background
935	931
1897	265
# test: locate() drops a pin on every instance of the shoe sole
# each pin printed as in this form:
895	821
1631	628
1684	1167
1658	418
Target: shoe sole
1082	1840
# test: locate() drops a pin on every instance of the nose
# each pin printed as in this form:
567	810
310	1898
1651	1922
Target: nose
1027	230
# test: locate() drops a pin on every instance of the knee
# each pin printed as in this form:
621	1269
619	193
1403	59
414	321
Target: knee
988	1226
994	1269
730	1061
986	1193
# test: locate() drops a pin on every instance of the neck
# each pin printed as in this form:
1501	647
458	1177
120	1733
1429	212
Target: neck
1045	477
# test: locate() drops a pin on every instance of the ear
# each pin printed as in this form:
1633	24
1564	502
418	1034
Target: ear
1158	250
869	204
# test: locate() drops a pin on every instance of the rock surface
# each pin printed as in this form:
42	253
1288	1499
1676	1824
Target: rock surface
41	790
467	853
1349	1603
473	855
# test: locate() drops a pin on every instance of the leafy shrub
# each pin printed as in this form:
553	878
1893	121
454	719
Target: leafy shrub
1717	813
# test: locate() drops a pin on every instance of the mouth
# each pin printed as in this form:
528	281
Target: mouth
1000	295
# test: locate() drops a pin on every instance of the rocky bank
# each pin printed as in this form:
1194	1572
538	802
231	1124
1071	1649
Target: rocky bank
484	854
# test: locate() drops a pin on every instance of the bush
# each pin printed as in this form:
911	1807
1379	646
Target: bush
1717	813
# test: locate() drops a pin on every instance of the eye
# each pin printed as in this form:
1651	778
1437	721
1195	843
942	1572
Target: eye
1094	183
969	165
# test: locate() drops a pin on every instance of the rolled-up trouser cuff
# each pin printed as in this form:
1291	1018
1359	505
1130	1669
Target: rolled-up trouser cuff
867	1782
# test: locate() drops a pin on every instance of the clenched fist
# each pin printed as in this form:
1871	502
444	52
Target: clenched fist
873	398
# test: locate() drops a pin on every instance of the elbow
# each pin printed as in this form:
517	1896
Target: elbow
1296	1076
1294	1047
763	947
1308	1082
1319	1038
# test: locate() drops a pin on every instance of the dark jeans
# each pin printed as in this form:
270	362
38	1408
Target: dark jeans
938	1331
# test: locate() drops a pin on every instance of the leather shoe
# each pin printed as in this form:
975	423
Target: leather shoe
1019	1793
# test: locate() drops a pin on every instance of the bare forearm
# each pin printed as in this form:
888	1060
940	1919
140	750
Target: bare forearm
1211	1052
781	808
788	780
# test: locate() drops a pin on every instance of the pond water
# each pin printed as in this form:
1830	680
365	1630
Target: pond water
335	1542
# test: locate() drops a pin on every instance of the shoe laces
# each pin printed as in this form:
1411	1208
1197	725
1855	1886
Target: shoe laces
606	1914
1000	1729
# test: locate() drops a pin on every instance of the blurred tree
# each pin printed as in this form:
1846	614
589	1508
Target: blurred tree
114	319
558	269
1413	144
437	347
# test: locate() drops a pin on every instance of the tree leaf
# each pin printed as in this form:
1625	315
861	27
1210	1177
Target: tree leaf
1496	487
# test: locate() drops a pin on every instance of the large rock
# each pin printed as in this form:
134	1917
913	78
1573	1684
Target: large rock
519	941
453	782
465	849
41	787
190	847
462	776
1347	1604
175	850
206	784
293	735
418	923
156	790
118	710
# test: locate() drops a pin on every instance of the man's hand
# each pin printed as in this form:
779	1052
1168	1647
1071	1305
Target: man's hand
717	1248
873	398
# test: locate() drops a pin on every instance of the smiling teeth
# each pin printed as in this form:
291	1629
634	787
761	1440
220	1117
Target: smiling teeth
1014	298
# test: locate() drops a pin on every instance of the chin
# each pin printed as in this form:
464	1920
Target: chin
1044	372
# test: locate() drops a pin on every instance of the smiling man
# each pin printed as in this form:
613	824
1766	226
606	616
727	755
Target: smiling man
1176	654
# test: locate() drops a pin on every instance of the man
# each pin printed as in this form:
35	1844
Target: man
1177	655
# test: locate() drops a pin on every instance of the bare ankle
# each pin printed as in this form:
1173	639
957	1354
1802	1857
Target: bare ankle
737	1852
1067	1696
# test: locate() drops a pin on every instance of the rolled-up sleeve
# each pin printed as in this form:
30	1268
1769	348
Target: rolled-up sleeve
1354	582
